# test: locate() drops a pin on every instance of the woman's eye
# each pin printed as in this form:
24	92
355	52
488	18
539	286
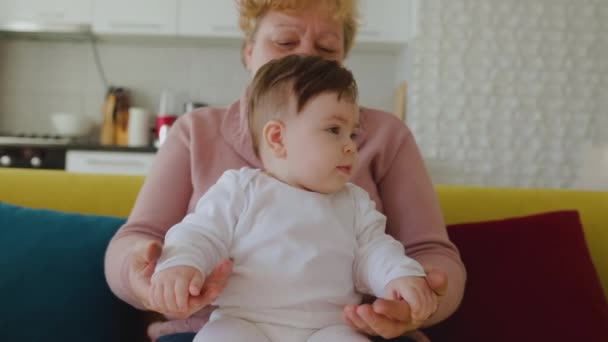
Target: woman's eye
327	50
285	43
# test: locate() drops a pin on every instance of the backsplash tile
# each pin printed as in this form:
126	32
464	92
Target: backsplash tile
508	93
41	77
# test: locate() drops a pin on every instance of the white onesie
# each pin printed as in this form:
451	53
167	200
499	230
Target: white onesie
298	256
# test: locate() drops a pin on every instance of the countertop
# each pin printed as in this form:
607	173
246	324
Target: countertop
109	148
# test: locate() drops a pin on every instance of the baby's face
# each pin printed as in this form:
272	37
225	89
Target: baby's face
320	144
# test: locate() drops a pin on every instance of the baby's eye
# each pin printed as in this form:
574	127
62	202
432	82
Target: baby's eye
334	130
354	136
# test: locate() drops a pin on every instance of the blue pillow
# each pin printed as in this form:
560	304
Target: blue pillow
52	286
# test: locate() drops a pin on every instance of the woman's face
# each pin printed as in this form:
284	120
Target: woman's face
310	32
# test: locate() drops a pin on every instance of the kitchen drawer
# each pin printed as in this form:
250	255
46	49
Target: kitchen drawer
103	162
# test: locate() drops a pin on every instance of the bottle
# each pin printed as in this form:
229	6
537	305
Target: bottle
165	117
106	134
121	118
139	127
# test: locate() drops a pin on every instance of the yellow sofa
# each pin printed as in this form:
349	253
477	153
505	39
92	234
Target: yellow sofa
114	196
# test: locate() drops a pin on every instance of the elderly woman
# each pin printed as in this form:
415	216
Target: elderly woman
208	141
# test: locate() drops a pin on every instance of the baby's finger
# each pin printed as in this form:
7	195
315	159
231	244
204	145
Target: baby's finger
416	300
181	294
159	298
151	305
169	296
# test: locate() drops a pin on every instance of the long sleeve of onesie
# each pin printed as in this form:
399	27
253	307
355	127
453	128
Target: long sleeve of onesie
203	238
379	257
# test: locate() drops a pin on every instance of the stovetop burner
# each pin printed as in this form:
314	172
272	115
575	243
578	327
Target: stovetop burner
34	139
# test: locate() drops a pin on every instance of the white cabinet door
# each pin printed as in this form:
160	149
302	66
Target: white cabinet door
210	18
46	11
148	17
386	21
104	162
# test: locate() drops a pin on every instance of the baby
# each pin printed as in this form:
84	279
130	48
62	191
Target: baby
304	241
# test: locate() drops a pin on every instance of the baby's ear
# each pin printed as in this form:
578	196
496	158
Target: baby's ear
273	135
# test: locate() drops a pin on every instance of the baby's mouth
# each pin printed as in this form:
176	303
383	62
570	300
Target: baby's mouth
347	169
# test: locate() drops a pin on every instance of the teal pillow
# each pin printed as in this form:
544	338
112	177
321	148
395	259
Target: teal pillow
52	286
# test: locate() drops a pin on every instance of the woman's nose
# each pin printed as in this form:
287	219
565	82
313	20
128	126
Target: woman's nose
307	47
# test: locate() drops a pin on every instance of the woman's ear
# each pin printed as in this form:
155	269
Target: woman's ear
246	51
273	135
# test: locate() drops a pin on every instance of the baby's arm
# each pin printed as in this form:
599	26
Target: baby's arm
200	241
379	258
417	293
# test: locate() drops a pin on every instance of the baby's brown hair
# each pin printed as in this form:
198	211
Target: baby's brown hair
293	80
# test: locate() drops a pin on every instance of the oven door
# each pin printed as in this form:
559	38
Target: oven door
33	157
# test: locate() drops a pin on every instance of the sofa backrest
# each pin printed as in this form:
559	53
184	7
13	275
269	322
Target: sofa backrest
114	196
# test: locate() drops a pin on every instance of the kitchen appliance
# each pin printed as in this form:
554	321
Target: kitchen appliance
33	151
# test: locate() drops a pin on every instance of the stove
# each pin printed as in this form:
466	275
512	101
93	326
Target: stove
34	140
33	151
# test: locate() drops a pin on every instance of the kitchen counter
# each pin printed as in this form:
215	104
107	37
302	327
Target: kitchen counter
109	148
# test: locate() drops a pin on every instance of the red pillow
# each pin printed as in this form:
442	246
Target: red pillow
529	279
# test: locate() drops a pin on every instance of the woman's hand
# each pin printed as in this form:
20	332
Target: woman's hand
389	318
142	263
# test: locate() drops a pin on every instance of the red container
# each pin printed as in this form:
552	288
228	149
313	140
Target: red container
163	123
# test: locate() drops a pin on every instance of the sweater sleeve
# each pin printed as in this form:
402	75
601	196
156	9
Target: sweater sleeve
415	219
379	257
203	238
162	201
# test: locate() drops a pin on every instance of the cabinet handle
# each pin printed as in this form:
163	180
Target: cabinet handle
105	162
225	28
138	26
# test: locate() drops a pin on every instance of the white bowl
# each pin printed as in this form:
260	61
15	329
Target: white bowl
70	124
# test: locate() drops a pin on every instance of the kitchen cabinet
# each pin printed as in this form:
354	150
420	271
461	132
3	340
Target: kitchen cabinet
107	162
45	12
386	21
382	21
137	17
209	18
389	22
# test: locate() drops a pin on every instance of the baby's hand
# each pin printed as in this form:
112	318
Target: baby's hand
417	293
171	288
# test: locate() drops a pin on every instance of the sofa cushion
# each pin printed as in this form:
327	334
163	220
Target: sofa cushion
52	286
529	279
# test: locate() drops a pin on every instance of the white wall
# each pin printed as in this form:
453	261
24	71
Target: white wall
507	93
503	93
41	77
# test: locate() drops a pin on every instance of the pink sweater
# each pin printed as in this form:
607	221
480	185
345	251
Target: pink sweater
203	144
